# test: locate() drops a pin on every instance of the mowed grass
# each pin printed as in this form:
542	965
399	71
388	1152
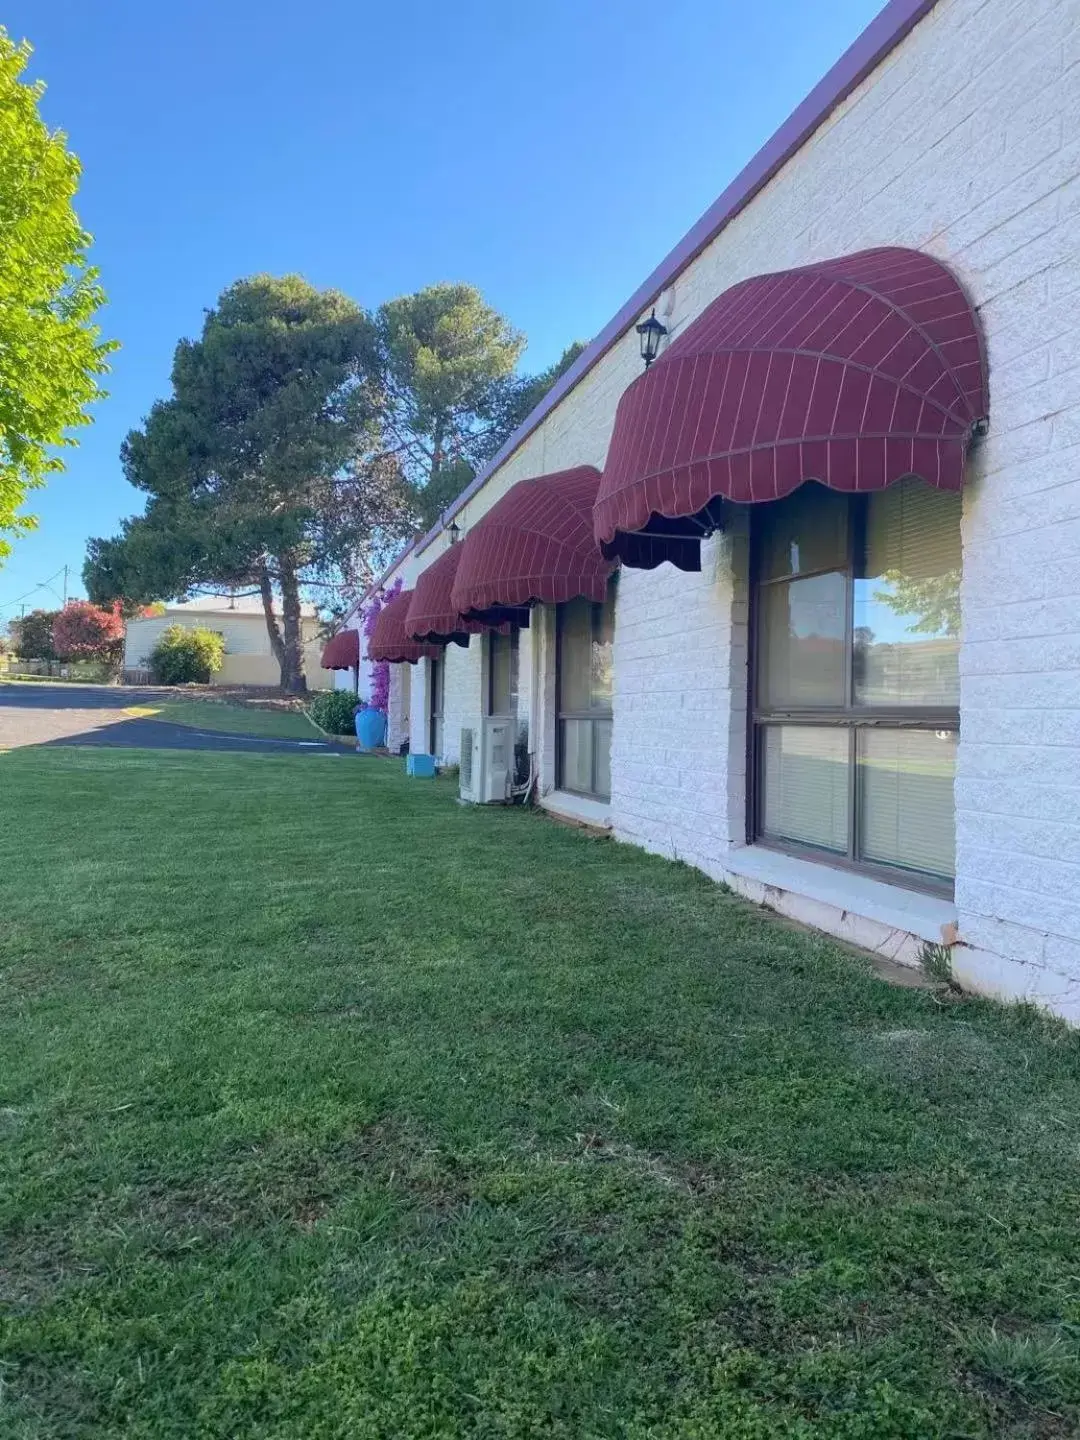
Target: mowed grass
333	1109
222	716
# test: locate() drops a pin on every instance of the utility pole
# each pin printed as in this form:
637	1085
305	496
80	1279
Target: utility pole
66	568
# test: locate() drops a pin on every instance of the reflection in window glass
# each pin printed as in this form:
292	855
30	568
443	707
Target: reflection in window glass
503	672
803	654
906	809
806	785
575	656
576	758
602	758
585	635
907	606
600	666
857	633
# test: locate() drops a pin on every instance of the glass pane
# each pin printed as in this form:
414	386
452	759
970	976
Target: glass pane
906	811
502	690
806	531
575	755
602	778
802	642
601	660
575	655
907	608
806	785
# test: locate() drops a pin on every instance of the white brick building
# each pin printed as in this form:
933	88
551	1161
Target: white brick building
951	129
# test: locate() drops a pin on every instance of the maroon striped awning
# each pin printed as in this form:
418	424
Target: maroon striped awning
389	640
853	372
534	546
432	616
342	651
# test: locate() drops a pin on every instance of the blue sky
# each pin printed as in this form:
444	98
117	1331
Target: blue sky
550	154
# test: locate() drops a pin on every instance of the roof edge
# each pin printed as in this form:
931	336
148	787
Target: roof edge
887	29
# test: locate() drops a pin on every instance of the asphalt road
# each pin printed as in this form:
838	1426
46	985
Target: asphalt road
95	715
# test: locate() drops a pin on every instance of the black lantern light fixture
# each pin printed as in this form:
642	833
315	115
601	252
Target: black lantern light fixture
650	332
454	532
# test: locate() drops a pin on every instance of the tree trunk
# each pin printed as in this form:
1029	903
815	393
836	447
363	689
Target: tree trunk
292	669
277	644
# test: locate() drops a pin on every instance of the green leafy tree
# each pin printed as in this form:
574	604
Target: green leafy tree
51	353
33	635
531	389
266	467
444	365
452	394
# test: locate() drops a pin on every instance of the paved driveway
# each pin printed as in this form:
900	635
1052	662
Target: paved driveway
97	715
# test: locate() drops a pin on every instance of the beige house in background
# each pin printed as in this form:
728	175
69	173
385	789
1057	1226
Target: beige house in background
249	659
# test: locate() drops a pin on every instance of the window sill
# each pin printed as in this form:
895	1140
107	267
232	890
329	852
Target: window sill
913	912
579	808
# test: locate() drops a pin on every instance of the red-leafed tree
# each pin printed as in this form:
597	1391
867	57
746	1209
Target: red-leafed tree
82	631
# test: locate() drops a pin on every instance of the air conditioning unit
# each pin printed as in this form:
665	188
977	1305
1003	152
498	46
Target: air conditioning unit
487	754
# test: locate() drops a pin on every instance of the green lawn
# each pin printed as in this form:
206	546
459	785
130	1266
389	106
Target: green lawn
242	719
330	1108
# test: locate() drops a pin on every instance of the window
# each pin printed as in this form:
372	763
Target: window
585	632
502	686
855	701
437	700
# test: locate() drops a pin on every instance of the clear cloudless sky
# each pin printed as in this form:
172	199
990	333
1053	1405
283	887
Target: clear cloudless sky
549	153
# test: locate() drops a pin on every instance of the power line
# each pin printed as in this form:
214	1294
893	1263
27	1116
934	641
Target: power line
10	604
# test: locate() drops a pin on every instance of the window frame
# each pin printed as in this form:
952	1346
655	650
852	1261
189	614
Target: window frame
594	718
849	716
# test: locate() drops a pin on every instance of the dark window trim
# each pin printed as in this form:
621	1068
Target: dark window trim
848	716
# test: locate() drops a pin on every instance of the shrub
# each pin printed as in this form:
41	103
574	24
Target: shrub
187	656
334	711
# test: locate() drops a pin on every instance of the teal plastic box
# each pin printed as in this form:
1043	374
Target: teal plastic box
423	765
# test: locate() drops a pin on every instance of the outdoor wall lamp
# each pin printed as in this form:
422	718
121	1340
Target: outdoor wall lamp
454	532
650	332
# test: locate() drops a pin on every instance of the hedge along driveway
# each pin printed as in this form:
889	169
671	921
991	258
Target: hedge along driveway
331	1108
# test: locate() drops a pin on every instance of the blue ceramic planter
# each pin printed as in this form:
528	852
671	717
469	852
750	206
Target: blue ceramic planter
370	729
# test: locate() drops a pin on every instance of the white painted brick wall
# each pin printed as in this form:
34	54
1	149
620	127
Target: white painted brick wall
461	704
420	708
965	142
397	716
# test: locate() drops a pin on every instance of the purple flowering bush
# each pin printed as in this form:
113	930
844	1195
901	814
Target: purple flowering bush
380	671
